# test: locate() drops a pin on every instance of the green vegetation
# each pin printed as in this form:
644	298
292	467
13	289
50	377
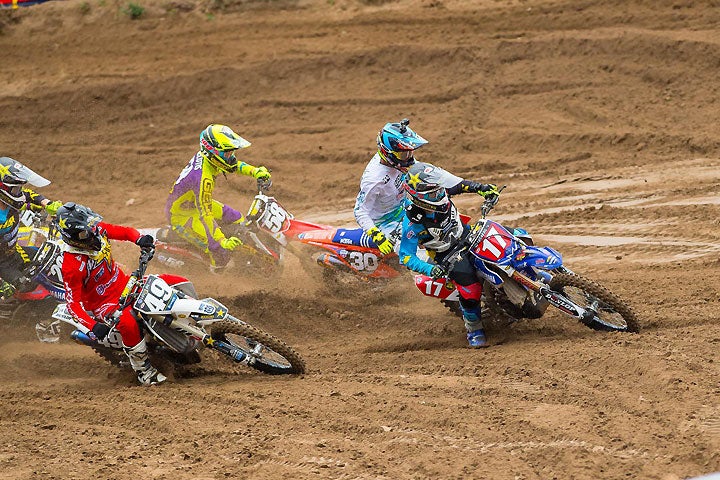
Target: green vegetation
85	8
133	10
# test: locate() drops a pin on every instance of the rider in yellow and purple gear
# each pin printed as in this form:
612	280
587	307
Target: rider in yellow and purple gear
190	208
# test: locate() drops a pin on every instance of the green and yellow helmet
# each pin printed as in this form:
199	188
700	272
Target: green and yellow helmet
218	144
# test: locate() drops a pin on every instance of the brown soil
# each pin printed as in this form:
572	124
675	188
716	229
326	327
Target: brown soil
601	117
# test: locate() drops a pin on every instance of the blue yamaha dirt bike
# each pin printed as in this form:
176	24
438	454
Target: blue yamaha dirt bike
522	280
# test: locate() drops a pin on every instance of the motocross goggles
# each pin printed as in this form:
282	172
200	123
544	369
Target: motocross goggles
434	199
403	158
14	190
228	156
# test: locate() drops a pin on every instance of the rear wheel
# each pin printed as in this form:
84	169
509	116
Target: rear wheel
112	355
609	312
267	353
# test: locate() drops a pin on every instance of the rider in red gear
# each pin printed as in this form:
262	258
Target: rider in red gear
94	282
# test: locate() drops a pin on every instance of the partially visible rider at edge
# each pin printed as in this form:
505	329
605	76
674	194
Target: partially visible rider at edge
191	210
15	199
433	221
379	204
94	282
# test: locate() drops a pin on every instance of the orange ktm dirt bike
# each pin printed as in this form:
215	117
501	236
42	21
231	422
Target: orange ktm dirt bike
265	234
177	325
521	280
345	253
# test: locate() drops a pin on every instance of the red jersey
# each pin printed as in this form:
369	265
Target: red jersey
93	281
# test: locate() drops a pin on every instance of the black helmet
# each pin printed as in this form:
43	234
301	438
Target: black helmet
78	226
423	189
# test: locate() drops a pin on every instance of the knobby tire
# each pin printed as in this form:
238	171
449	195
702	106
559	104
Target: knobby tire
608	299
258	336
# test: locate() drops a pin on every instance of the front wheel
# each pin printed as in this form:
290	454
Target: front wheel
609	312
267	353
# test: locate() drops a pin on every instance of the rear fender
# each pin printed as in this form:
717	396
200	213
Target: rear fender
39	293
298	226
441	288
61	312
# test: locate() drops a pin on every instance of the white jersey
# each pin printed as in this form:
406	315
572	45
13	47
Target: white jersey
381	198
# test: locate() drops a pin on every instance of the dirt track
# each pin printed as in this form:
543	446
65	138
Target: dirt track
601	117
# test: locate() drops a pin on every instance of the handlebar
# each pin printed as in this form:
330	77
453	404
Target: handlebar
490	202
264	184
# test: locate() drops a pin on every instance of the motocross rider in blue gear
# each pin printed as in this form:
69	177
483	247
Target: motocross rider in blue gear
432	221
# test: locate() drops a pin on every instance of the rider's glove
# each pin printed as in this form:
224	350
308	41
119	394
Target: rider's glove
7	290
230	243
261	173
52	207
145	241
100	330
383	243
437	272
488	190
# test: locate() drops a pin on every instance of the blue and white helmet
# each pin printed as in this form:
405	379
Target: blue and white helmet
397	143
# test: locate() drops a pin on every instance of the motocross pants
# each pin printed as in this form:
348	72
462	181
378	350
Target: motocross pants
190	227
470	291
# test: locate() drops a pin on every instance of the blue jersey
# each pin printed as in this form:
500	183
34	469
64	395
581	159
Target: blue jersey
437	232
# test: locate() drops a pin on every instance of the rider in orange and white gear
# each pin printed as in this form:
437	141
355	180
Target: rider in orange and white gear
191	210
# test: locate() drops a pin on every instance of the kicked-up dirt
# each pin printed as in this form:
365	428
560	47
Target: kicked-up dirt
601	119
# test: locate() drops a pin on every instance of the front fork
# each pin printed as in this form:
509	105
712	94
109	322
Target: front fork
234	353
554	298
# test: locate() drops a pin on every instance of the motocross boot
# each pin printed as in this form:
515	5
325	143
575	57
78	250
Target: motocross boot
48	331
146	373
473	325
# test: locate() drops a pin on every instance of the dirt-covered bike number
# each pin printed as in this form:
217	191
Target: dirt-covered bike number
113	340
363	261
26	218
274	218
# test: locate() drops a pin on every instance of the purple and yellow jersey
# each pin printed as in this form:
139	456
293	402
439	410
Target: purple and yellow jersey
191	197
190	208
